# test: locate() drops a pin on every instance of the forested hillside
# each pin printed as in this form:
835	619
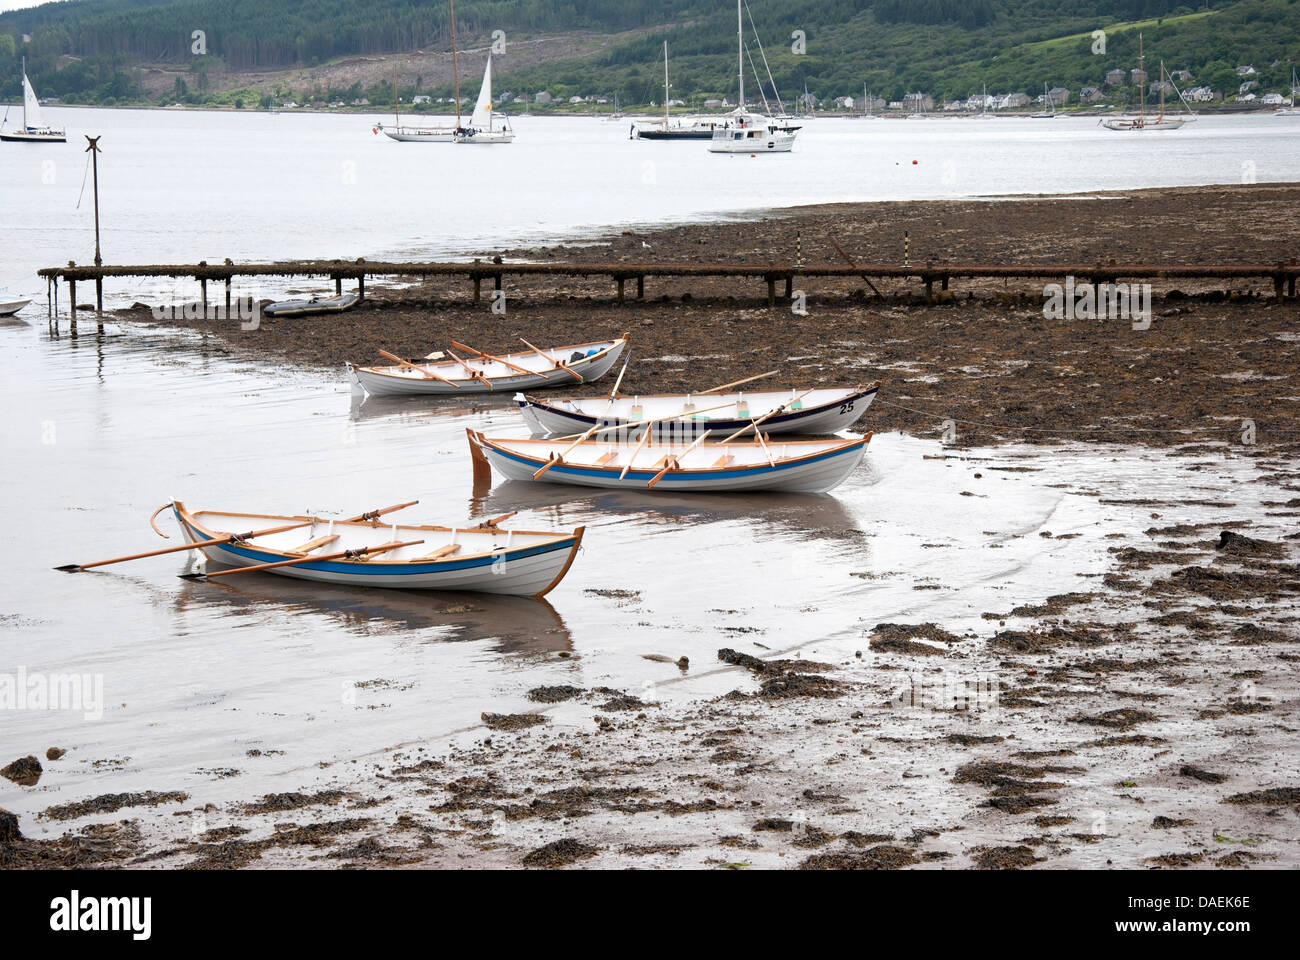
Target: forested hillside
92	50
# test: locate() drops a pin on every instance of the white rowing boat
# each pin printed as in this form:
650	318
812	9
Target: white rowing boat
482	559
817	412
9	307
799	466
481	372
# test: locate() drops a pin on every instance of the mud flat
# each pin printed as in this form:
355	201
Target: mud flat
984	358
1144	718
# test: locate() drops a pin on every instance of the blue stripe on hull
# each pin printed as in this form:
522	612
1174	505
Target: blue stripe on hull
390	570
647	475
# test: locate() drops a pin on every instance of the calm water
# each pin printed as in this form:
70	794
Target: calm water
184	186
99	430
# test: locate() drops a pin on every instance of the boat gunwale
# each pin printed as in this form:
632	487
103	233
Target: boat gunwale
549	537
775	463
855	393
384	371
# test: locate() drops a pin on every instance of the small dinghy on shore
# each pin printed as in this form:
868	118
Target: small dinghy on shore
800	466
306	308
483	372
9	307
814	412
362	551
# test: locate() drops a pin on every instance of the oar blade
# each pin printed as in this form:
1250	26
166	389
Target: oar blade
69	568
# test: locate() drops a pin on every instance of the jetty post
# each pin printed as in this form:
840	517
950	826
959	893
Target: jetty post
93	150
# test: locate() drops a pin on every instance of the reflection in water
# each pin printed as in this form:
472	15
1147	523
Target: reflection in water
809	516
365	407
515	625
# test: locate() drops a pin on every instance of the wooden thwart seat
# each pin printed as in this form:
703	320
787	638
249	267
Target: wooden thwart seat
723	460
604	458
311	545
444	551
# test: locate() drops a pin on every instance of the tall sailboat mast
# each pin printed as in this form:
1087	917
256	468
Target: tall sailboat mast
455	68
665	84
25	82
1142	86
1162	89
740	52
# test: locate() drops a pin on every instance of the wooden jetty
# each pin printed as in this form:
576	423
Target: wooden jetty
1282	275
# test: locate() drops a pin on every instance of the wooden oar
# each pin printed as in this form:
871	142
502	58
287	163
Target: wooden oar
738	382
633	424
771	413
357	554
415	366
473	374
674	463
487	356
553	362
637	449
495	520
369	515
614	393
556	458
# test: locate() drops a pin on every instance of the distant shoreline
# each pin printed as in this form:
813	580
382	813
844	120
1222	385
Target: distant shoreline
1026	114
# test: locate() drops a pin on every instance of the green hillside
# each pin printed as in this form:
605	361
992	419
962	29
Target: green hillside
89	50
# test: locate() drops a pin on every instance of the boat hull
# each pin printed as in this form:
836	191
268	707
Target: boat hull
433	135
9	307
674	135
307	308
13	136
1138	126
840	413
387	381
529	570
756	145
486	137
816	473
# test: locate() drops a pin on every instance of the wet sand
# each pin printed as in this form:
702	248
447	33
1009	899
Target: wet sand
1144	719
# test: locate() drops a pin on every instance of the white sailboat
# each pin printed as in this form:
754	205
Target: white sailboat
683	128
409	133
1142	121
483	125
1291	110
745	132
868	102
424	133
34	129
1049	111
